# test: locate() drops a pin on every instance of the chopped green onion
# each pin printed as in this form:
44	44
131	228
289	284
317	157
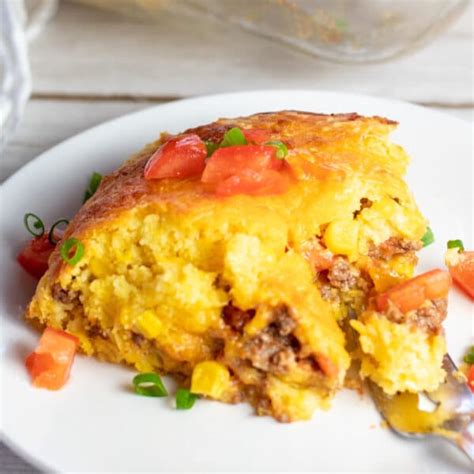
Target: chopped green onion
149	385
469	357
455	244
211	147
69	245
94	182
185	399
428	238
281	149
234	136
36	224
51	238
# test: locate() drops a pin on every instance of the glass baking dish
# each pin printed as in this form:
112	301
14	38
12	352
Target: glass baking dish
339	30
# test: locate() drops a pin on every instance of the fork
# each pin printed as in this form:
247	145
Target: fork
451	419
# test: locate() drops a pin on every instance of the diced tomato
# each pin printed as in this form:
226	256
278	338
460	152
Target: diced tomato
247	169
327	365
50	364
180	157
255	183
37	364
463	272
232	160
470	378
35	255
411	294
257	136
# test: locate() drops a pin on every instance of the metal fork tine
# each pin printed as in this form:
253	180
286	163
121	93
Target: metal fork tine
454	399
453	394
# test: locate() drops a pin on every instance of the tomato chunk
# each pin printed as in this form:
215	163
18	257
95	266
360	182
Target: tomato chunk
50	364
327	365
257	136
38	364
247	169
463	272
35	255
411	294
233	160
470	378
180	157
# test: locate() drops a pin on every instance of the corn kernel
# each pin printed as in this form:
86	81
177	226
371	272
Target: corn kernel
98	269
341	237
402	266
210	378
149	325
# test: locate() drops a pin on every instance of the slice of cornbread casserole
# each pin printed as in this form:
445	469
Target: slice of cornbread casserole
240	272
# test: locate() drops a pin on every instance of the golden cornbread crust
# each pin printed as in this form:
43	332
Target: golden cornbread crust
223	293
126	187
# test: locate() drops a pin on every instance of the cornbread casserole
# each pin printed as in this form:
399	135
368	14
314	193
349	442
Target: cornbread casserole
249	297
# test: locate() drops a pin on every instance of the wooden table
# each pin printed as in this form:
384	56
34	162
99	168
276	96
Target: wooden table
90	66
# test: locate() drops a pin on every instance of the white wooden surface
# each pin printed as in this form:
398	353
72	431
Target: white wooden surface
89	66
101	55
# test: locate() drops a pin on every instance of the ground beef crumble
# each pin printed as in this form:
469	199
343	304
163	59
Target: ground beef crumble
428	317
282	360
137	339
274	349
342	275
94	330
65	296
236	318
329	293
394	246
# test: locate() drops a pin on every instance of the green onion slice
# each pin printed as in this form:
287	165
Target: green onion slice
34	225
233	137
469	357
68	246
428	238
455	244
94	182
51	238
211	147
185	399
149	385
281	149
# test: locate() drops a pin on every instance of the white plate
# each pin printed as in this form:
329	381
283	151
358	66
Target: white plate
96	424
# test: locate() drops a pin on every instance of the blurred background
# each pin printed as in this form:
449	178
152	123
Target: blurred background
67	65
70	64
